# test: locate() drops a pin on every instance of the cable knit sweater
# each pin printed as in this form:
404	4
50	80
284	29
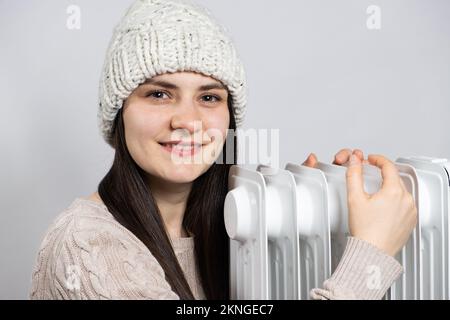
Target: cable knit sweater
87	254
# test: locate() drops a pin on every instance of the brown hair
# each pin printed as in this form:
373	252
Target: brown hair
130	200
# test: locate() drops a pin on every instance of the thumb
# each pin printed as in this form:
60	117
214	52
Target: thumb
355	180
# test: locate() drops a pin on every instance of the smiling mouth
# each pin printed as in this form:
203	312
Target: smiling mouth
181	149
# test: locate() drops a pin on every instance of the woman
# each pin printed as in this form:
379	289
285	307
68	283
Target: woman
172	85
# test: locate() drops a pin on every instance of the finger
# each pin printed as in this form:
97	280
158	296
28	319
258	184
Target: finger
307	161
359	154
355	180
389	172
311	161
342	156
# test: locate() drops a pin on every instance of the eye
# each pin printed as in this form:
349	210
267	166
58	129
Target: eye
156	94
210	98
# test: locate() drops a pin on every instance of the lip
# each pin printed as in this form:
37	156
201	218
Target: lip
180	142
185	151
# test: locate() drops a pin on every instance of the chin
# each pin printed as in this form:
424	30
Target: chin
184	173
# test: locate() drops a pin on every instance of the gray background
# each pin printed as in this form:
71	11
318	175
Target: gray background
314	71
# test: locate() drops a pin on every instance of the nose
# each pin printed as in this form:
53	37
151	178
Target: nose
187	117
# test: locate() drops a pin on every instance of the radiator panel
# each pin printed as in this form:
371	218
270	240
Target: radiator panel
288	229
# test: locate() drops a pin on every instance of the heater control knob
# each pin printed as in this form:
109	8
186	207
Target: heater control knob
238	214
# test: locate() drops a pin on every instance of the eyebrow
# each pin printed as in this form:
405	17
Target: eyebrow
169	85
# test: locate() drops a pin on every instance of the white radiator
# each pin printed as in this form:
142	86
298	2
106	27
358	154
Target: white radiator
288	229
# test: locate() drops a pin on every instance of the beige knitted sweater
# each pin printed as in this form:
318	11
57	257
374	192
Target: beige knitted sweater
87	254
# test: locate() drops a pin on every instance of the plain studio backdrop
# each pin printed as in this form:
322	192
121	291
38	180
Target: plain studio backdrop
328	74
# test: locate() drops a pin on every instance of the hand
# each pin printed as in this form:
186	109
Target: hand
386	218
341	158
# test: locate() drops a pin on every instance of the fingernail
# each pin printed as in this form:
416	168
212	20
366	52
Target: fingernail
353	160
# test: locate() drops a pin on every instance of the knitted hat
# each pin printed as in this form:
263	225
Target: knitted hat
159	36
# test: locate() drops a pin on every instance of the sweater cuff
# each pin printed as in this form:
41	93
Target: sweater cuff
364	271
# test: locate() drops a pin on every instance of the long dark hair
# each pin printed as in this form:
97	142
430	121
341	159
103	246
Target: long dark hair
130	201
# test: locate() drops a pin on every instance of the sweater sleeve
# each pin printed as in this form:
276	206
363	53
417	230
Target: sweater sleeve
105	262
364	273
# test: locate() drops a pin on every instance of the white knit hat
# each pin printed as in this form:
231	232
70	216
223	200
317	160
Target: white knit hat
160	36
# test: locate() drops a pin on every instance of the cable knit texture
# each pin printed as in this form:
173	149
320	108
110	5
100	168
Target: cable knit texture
87	254
160	36
364	273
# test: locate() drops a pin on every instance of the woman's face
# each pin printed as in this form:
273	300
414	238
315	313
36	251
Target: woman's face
184	107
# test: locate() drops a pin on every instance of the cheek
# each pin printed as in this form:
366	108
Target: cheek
219	122
216	125
141	125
